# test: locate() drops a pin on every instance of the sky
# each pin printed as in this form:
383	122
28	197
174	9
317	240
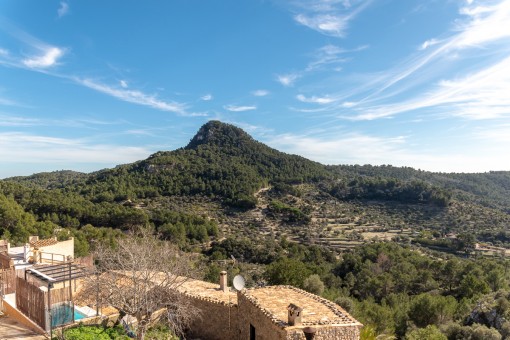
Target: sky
87	85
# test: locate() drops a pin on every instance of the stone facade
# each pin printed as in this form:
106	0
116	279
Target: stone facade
255	319
262	314
332	332
217	320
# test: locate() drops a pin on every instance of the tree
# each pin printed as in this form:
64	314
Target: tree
314	284
140	276
287	272
431	332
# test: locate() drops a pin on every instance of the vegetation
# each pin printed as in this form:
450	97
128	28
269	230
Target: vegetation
139	277
410	253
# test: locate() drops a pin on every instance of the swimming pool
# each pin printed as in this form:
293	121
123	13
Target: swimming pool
63	314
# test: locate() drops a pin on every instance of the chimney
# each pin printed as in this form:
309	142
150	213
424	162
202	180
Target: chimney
26	250
32	239
294	315
223	281
309	333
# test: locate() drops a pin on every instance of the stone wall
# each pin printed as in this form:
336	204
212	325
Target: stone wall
250	314
217	320
268	327
347	332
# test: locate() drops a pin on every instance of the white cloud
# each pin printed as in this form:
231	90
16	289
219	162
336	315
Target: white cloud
329	17
351	148
329	55
4	52
124	84
207	97
499	134
260	93
134	96
235	108
479	94
17	147
63	9
48	58
287	79
355	148
315	100
428	43
486	24
17	121
324	23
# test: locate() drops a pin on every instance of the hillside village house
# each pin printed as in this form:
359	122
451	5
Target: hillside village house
45	270
266	313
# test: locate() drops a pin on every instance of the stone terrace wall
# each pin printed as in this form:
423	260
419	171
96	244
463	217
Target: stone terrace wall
215	318
328	333
265	329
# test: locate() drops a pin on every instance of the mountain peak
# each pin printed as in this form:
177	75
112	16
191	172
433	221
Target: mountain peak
217	133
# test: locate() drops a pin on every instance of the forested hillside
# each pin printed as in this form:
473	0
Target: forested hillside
397	247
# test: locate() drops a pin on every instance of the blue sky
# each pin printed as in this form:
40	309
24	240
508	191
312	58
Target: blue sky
86	85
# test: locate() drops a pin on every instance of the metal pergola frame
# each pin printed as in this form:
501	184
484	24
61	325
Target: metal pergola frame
52	274
57	273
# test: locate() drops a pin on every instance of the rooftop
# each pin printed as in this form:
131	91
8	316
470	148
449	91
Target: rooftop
44	243
274	300
208	291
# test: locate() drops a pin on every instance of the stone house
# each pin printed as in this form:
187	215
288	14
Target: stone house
266	313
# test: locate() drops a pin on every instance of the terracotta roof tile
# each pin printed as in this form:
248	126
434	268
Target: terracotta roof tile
44	243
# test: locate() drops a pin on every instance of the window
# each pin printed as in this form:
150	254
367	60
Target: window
252	332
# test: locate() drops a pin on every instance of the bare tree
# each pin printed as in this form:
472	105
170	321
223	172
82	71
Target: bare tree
142	276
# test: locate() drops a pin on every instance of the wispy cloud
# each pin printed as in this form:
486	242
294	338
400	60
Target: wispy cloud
63	9
134	96
42	55
287	79
48	57
351	148
207	97
20	147
235	108
428	43
324	23
328	57
13	121
314	99
328	17
479	94
356	148
260	93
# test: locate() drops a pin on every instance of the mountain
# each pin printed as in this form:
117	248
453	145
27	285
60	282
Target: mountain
223	167
221	160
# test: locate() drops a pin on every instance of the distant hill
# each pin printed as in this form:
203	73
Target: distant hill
223	167
221	160
490	189
51	180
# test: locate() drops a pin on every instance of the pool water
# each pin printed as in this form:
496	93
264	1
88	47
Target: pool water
63	314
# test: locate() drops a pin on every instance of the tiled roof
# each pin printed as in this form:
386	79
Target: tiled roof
274	300
44	243
208	291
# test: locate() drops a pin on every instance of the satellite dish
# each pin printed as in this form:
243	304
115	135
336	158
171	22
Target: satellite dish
238	282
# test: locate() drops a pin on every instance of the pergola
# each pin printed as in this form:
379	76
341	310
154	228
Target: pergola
57	273
51	275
